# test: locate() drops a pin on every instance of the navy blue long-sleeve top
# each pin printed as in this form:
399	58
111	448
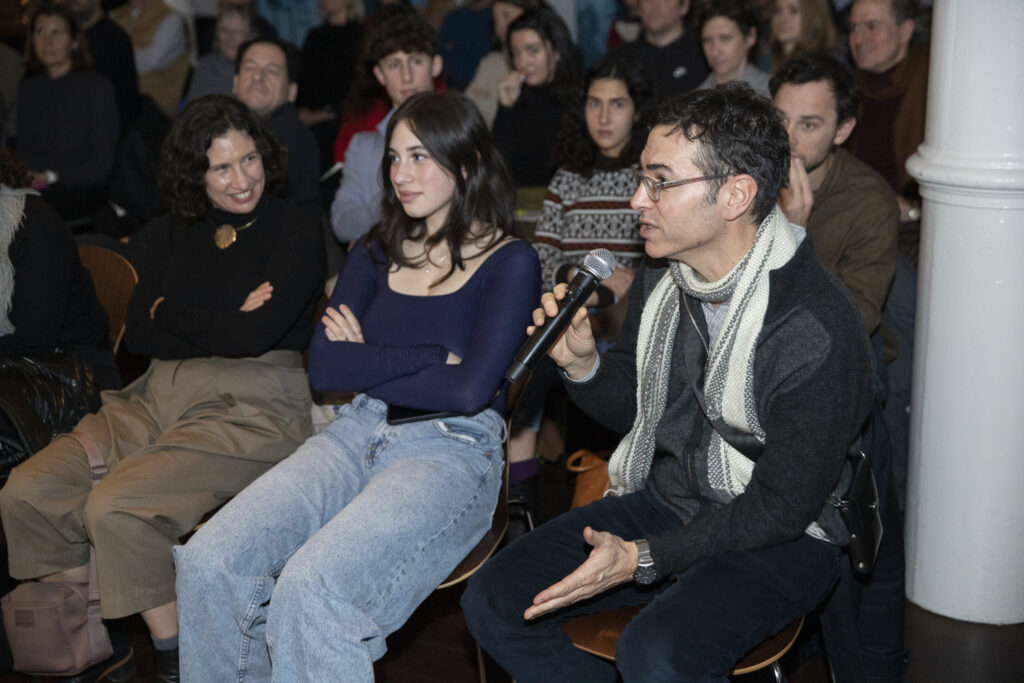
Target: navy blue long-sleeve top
408	337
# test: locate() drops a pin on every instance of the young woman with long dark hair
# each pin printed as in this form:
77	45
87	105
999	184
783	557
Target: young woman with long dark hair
587	207
533	98
361	523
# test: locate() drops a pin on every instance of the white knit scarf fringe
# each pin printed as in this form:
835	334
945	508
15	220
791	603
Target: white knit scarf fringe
12	214
728	382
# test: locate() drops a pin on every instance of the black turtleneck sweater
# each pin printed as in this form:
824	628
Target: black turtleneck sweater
526	133
204	286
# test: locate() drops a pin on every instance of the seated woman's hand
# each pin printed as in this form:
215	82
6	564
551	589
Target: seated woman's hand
341	324
510	88
257	297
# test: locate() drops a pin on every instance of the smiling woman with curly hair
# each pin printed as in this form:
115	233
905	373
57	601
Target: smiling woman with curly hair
224	306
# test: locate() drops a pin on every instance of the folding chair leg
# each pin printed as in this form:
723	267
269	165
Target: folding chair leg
480	664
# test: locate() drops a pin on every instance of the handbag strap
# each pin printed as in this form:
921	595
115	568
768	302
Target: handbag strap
97	469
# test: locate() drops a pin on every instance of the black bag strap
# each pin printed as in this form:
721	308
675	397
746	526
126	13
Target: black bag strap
696	358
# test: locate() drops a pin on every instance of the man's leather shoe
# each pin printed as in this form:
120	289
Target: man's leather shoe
166	670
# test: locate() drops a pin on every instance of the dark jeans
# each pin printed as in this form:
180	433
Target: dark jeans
695	626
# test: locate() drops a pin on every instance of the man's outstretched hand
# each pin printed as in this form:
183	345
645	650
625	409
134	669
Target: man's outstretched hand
611	562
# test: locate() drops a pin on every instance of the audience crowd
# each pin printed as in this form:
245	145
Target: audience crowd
335	156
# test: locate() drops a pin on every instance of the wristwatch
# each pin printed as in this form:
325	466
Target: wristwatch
645	574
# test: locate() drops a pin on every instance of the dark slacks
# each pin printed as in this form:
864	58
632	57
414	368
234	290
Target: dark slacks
695	626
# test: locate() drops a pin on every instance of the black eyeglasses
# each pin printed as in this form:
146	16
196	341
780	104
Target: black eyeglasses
654	187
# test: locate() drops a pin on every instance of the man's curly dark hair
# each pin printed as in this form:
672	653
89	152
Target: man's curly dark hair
184	162
737	131
823	67
405	32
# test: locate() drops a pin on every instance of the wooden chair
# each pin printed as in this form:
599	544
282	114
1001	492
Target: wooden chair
489	543
598	634
114	279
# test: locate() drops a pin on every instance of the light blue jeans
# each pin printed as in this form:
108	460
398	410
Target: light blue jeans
304	573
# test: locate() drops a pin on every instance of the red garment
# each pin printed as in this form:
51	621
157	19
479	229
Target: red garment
891	121
359	124
622	32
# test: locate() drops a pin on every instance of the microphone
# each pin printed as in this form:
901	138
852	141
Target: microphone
597	265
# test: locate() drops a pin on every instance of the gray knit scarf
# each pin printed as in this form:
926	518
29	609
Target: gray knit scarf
12	215
728	383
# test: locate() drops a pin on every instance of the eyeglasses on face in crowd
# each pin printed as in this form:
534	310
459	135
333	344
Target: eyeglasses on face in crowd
654	187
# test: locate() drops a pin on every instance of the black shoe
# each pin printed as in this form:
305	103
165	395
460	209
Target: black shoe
524	511
166	670
117	668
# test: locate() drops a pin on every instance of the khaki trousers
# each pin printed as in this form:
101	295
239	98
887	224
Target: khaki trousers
180	441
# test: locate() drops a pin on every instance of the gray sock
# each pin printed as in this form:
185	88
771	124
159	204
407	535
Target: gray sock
166	643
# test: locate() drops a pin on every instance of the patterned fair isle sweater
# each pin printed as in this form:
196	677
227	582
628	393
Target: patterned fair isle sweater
582	214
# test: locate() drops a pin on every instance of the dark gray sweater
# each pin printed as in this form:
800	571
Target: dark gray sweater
813	388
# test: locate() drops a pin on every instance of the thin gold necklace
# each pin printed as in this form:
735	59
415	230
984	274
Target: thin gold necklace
428	262
226	234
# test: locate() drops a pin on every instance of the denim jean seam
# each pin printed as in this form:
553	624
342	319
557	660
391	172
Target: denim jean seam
407	560
246	623
255	601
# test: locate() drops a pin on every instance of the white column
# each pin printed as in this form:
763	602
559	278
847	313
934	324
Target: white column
965	498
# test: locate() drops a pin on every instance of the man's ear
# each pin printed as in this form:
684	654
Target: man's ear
737	195
844	131
379	74
750	38
906	30
293	90
436	66
684	8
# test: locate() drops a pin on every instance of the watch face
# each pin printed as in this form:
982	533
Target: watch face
645	575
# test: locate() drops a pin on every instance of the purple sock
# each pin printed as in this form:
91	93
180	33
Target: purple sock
520	471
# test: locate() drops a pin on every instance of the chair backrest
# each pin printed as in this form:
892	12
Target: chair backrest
114	279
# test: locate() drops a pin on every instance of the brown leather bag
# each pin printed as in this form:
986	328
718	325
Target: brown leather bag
591	476
54	627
